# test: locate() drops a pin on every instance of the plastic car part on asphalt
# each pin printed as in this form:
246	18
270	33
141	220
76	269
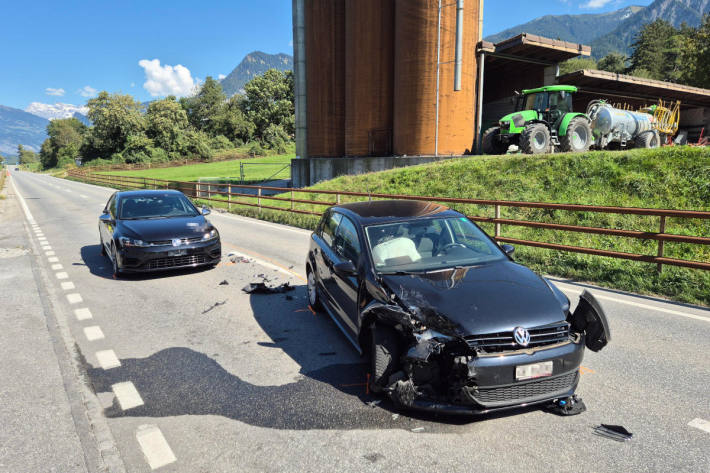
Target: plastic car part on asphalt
614	432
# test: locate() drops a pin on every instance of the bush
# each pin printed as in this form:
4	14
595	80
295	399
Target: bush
158	155
275	138
255	149
195	144
221	142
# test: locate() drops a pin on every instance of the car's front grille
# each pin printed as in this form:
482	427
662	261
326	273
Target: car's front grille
183	241
175	261
504	341
530	390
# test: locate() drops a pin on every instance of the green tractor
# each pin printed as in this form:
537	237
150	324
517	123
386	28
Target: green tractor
543	122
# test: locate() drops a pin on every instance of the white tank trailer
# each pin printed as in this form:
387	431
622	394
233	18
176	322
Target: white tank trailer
613	125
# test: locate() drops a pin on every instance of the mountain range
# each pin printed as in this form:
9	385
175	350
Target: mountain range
20	127
612	31
251	66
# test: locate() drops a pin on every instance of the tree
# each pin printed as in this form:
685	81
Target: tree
115	118
651	48
166	123
62	147
577	64
233	123
269	101
205	106
696	56
26	156
613	62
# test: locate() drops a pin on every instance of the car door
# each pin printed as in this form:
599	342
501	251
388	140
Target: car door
324	255
345	286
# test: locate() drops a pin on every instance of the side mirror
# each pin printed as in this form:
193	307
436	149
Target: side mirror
507	249
106	218
345	268
206	211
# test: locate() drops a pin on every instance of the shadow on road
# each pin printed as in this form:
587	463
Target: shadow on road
330	394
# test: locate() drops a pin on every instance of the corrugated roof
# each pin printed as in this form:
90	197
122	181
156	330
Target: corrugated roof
604	82
532	47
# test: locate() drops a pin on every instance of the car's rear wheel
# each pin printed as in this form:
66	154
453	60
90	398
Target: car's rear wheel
384	351
313	299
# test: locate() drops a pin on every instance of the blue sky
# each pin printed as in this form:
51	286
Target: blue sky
64	51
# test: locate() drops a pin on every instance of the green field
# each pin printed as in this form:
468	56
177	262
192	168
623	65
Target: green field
255	169
674	178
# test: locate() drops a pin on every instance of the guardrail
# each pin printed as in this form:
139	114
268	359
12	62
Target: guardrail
197	190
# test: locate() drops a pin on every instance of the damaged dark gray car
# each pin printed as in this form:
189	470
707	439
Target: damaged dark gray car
450	321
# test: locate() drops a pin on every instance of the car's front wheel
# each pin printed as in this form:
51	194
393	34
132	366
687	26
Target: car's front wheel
384	351
313	299
114	262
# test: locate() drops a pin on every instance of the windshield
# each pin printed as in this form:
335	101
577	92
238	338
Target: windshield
533	102
429	244
156	206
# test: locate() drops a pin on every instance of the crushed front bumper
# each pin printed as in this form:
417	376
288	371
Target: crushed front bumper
490	384
161	258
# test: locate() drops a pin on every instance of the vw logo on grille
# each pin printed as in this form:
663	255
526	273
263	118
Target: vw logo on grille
177	241
522	336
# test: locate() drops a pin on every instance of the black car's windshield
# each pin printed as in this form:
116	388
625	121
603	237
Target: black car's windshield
155	206
429	244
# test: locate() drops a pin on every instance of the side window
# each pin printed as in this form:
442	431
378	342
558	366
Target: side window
112	207
329	226
347	244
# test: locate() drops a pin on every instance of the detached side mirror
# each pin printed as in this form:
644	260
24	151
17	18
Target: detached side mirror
206	211
345	268
507	249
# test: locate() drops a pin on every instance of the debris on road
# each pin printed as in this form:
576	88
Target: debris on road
262	288
224	283
395	416
614	432
374	404
237	258
216	304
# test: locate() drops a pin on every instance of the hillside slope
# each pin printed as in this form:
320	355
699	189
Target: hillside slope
252	65
19	127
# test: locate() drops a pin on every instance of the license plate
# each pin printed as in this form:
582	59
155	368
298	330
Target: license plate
535	370
177	253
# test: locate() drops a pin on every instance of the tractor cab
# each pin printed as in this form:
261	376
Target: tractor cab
543	121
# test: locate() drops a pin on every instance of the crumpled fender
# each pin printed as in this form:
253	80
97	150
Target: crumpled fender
589	318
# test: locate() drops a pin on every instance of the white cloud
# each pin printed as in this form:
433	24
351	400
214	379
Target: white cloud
166	80
56	92
133	84
57	110
221	76
87	91
595	3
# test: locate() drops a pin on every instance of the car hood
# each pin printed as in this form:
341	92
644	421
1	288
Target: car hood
166	228
495	297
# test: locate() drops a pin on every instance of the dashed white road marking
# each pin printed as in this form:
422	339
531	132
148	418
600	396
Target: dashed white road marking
68	285
127	395
49	253
701	424
576	290
74	298
62	275
52	259
42	238
107	359
93	333
83	314
57	266
154	446
83	196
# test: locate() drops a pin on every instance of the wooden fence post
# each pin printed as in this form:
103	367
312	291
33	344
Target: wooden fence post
258	198
497	234
291	199
337	198
229	197
662	229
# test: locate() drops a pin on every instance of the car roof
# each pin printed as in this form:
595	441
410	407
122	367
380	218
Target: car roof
383	211
147	193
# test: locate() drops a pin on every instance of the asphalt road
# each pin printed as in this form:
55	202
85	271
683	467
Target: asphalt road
183	374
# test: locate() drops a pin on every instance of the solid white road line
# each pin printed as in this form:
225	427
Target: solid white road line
107	359
577	290
154	446
700	424
74	298
83	314
127	395
52	259
57	266
93	333
68	285
62	275
265	224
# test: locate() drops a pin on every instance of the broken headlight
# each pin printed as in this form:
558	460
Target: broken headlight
430	334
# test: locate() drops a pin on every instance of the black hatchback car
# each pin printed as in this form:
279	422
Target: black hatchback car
143	231
449	320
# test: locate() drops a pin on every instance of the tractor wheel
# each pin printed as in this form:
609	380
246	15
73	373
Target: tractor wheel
578	137
648	139
491	142
535	139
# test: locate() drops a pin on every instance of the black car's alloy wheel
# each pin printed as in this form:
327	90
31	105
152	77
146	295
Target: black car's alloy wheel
384	351
103	248
313	299
114	263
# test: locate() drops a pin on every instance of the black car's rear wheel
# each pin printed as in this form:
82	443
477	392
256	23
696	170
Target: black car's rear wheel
313	299
384	351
